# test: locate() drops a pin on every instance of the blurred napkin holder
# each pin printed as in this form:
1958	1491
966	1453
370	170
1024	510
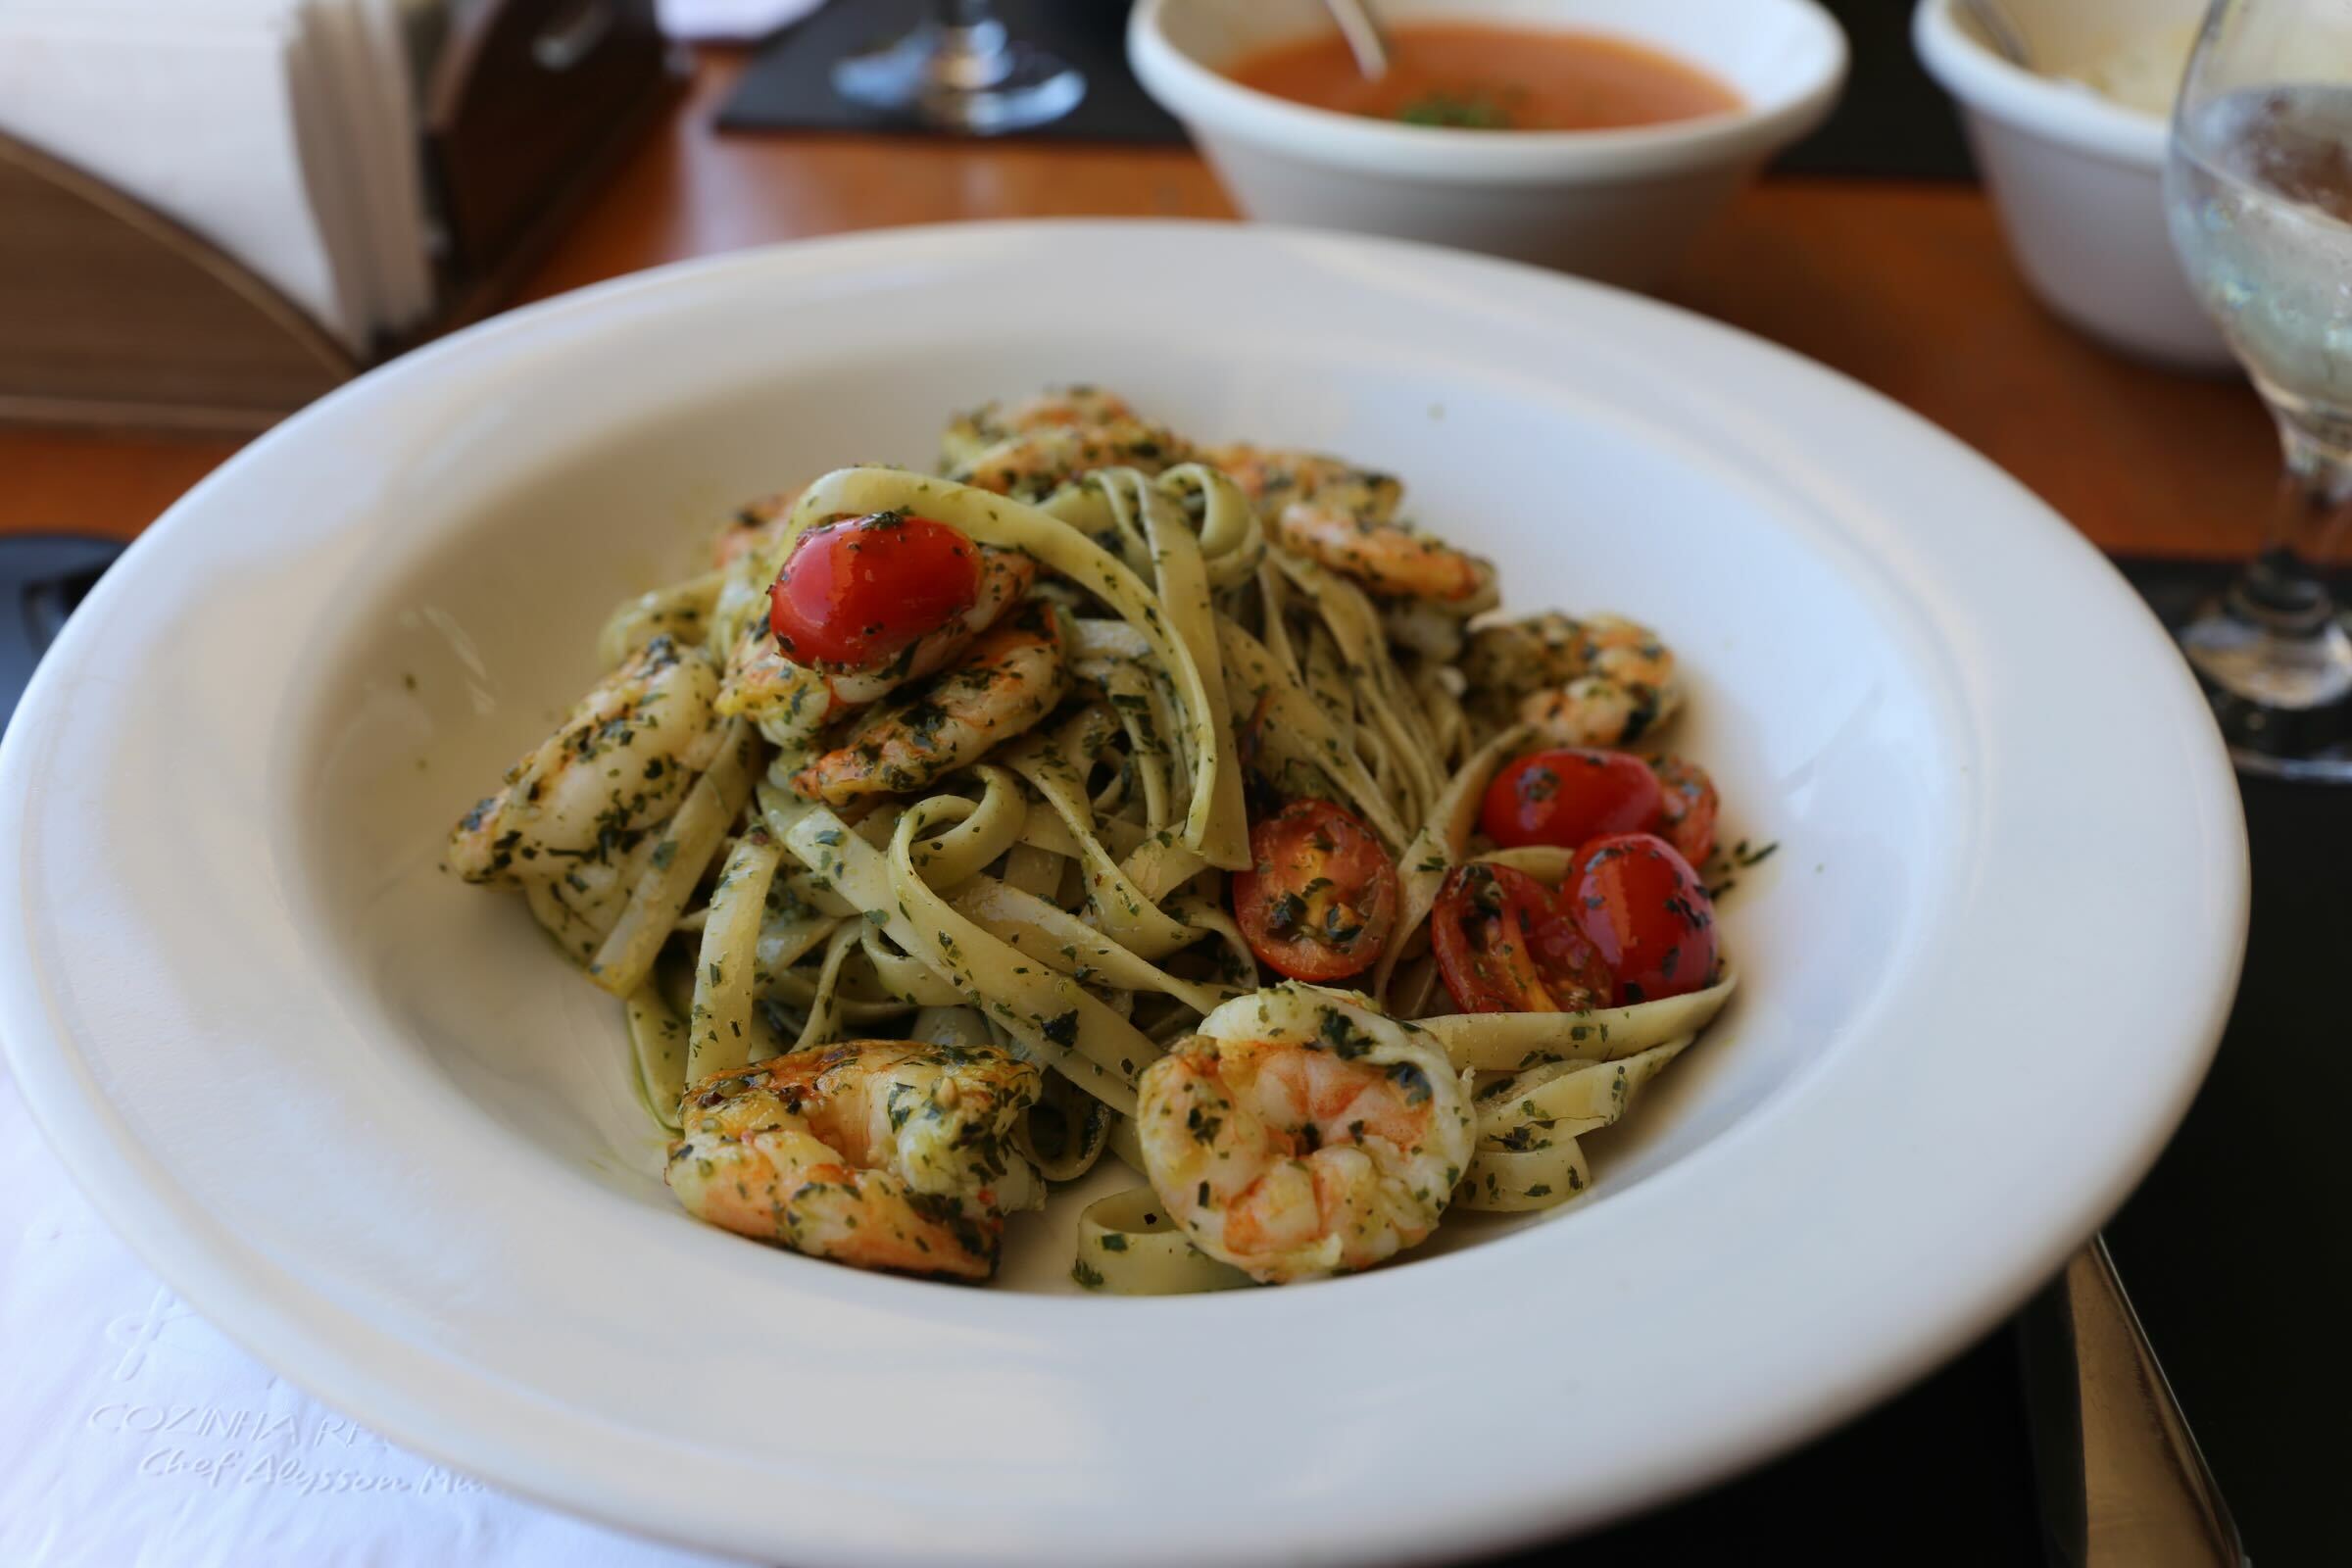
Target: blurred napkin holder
113	314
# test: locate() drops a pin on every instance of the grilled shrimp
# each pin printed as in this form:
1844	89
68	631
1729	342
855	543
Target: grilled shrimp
1344	518
879	1153
619	762
1300	1135
1388	558
1034	463
1602	680
791	702
1008	681
1069	407
756	525
1273	479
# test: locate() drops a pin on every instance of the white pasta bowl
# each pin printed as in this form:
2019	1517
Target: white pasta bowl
1622	204
371	1123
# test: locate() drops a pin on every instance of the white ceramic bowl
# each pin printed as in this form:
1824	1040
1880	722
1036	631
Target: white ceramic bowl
2078	180
373	1124
1618	205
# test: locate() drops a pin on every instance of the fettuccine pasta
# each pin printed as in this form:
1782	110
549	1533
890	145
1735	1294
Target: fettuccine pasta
1103	796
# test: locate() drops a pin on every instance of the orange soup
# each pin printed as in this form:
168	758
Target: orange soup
1491	78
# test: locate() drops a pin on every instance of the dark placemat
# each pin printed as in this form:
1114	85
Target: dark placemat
2233	1249
43	577
1892	120
786	88
1942	1475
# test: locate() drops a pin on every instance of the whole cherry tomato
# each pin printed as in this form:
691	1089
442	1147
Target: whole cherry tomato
856	593
1644	907
1320	895
1505	945
1567	796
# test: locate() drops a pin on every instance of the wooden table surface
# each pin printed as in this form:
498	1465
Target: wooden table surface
1903	285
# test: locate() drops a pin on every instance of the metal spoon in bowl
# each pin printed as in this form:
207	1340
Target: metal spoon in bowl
1365	42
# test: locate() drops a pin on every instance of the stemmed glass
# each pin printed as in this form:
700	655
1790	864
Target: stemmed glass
2259	190
963	73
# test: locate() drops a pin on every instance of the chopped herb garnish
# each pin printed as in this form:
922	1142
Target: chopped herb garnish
1463	111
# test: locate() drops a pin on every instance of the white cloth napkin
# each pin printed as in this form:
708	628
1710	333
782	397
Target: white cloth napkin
132	1435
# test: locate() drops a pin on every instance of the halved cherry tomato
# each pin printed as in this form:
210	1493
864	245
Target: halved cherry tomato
1504	945
1567	796
1644	907
857	592
1320	895
1688	819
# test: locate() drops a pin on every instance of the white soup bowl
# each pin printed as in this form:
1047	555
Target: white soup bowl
1621	205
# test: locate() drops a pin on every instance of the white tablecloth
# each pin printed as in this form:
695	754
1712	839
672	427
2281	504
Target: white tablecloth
132	1435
